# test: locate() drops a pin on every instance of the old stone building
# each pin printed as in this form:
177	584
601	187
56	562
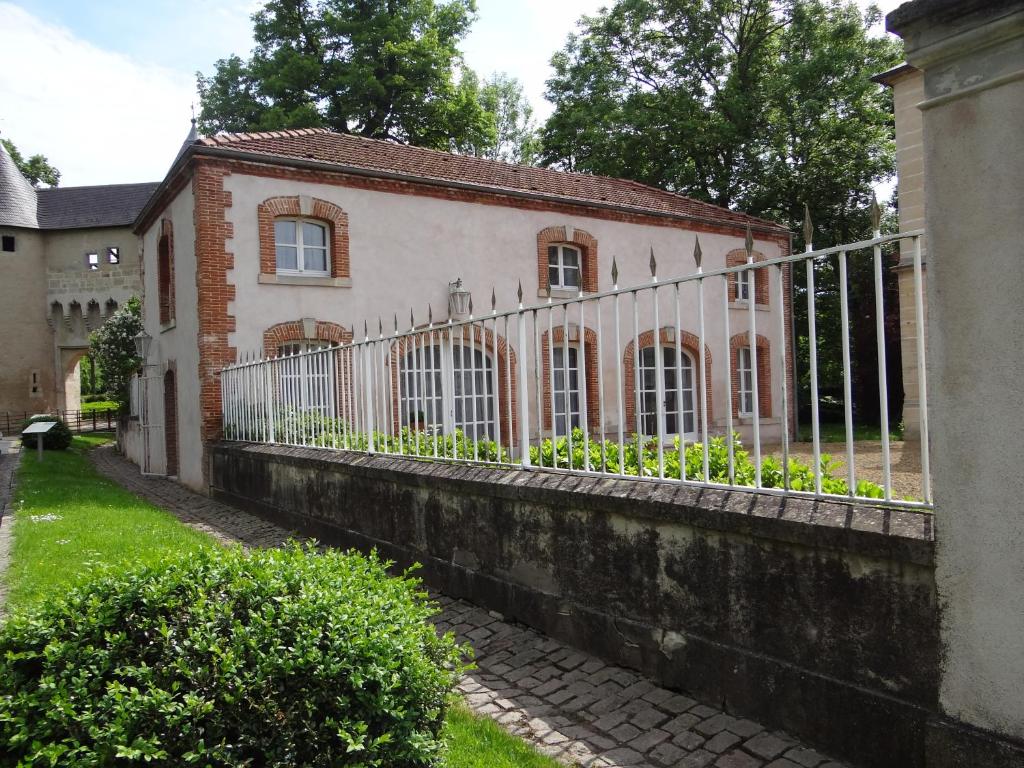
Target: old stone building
68	259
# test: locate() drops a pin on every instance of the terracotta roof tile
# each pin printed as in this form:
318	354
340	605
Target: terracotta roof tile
326	146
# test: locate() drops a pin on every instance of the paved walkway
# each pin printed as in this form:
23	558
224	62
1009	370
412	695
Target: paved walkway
571	705
9	458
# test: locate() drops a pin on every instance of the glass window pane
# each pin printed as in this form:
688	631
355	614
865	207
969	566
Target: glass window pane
553	278
553	254
284	232
570	257
313	234
287	257
572	277
314	259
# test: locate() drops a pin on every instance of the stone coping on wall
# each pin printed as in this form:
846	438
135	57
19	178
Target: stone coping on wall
895	534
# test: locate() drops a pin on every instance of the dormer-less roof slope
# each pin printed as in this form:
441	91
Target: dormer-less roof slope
17	196
384	158
111	205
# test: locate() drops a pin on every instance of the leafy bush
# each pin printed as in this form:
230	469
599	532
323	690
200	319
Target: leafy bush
640	458
112	346
637	457
57	439
225	658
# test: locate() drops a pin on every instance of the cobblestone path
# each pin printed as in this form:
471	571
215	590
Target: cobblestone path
571	705
9	458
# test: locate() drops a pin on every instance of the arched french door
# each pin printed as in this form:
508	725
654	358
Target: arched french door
679	403
445	388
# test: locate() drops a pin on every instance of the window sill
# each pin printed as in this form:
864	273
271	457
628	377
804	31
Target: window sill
170	325
559	293
748	420
323	282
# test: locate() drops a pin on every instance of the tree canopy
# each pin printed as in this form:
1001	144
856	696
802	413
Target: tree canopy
516	137
756	105
379	68
112	346
36	169
759	105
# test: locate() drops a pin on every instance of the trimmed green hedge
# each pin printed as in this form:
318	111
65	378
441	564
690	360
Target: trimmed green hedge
226	658
57	439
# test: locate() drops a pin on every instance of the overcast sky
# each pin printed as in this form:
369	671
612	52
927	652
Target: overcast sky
104	88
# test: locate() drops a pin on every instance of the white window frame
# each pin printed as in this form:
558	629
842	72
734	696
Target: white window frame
745	375
668	428
300	247
454	385
306	382
566	414
743	285
556	262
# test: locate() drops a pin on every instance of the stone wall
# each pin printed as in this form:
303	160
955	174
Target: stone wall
817	618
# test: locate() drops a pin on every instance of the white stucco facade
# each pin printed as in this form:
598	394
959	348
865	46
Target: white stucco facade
174	348
404	248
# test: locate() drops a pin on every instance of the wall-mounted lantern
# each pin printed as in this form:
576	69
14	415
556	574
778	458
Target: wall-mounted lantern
142	343
458	299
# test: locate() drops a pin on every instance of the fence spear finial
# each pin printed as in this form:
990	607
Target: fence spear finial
653	265
748	243
808	227
380	326
366	330
430	314
396	322
697	253
494	301
471	305
519	293
412	320
876	214
615	271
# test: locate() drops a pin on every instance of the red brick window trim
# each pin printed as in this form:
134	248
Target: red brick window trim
760	277
483	341
165	271
588	370
580	239
764	381
299	330
687	342
312	209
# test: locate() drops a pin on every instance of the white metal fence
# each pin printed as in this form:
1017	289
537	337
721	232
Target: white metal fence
576	385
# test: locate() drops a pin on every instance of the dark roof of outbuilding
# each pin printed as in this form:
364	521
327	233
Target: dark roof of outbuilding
17	196
111	205
373	156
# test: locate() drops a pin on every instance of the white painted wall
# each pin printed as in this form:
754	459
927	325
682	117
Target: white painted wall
405	249
176	344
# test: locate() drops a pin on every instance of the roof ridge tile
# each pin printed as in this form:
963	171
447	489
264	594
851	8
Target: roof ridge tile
327	146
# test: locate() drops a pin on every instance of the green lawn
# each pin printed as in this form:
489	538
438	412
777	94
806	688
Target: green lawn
102	405
479	742
68	517
835	432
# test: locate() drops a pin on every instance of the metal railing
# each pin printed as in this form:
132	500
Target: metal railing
617	383
12	422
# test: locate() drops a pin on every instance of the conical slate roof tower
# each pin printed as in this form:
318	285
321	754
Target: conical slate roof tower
17	196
